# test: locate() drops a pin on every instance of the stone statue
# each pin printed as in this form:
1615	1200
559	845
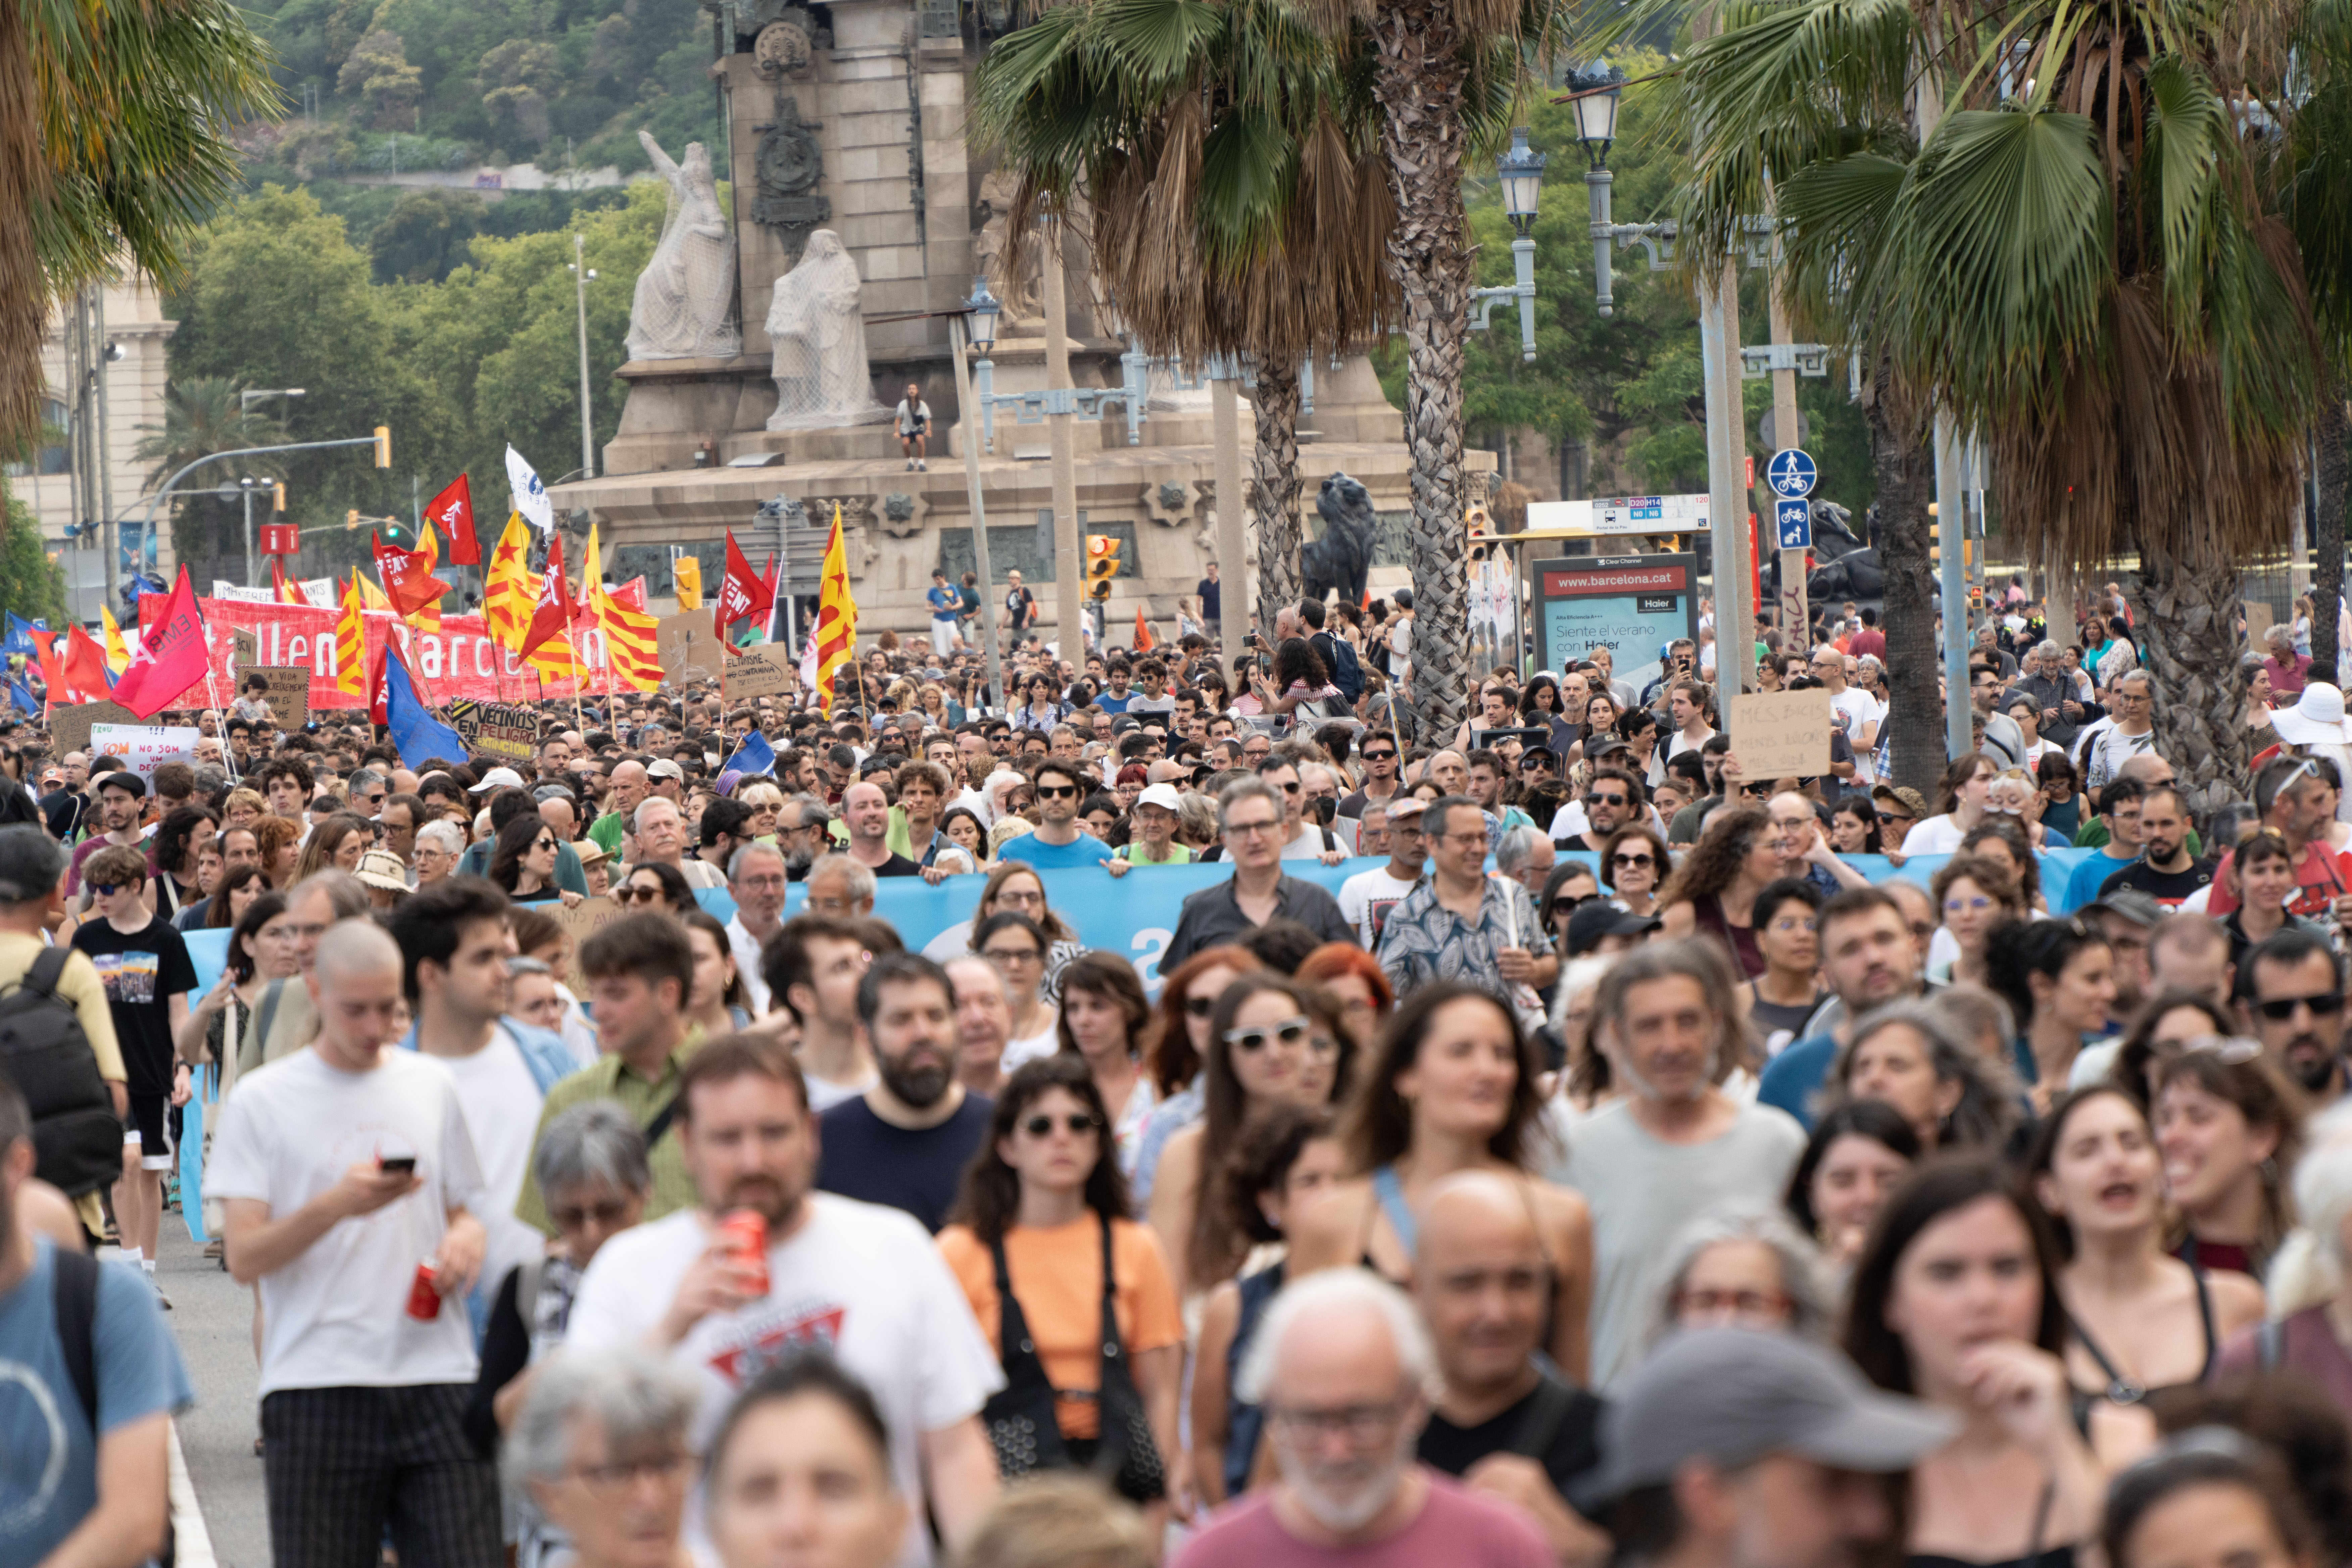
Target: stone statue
818	329
1340	559
1010	269
685	294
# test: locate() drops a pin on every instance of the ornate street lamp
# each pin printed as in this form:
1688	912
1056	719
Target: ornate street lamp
1522	173
1594	98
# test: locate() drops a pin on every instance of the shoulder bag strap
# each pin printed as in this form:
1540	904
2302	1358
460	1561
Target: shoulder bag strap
1546	1412
74	1292
48	969
662	1118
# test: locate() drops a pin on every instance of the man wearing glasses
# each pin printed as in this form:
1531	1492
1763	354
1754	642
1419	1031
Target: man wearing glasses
2129	732
1380	754
2292	988
1058	842
1251	813
1463	925
1612	799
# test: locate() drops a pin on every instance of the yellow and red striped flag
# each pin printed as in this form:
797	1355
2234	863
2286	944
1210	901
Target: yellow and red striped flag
629	635
351	642
835	634
510	599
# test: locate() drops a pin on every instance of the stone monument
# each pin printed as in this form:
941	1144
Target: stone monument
816	330
684	307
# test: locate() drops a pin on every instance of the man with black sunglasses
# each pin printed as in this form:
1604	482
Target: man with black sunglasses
2291	987
1613	799
1380	755
1058	842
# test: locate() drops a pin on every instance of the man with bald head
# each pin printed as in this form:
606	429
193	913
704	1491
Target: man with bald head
352	1190
866	811
1505	1425
1344	1371
627	788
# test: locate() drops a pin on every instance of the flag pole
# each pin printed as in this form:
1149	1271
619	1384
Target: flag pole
573	650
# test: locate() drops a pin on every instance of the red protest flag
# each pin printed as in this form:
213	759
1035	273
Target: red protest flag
408	580
379	682
84	665
740	592
453	509
553	615
168	659
630	595
53	675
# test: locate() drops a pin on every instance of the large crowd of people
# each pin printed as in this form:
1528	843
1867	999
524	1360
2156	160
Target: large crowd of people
1623	1158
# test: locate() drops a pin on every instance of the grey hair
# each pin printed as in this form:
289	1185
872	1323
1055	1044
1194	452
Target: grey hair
955	860
1196	815
1516	848
735	861
2311	1266
1250	788
637	817
1331	774
346	894
1697	958
526	964
1801	1274
595	1140
442	834
1324	1294
362	777
814	813
2045	648
639	1399
209	779
861	877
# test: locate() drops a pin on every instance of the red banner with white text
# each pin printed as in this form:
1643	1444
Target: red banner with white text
458	662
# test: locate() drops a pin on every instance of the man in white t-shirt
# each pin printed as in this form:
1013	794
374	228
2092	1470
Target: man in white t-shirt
757	877
344	1168
1367	897
453	946
862	1281
1858	713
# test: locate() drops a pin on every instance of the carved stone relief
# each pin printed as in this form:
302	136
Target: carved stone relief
790	166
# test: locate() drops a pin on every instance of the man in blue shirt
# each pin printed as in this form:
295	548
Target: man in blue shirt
947	604
85	1406
1059	841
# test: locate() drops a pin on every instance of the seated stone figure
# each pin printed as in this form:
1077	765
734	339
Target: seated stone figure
816	328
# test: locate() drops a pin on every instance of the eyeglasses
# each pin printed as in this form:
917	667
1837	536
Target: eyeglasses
538	845
2279	1009
632	891
1596	798
1012	955
1245	829
1360	1423
605	1214
615	1476
2228	1049
1057	791
1743	1303
1079	1125
1290	1031
103	889
1384	755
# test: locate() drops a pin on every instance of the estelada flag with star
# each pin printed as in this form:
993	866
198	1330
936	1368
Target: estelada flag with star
742	592
453	509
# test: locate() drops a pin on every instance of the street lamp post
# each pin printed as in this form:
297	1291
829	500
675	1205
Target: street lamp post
246	398
581	276
1521	171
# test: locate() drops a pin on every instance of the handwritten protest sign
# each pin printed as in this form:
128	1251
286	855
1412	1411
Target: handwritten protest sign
688	650
1781	734
763	671
580	922
144	747
289	692
504	731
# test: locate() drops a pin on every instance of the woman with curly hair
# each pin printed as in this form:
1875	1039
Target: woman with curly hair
1299	677
1714	889
1906	1054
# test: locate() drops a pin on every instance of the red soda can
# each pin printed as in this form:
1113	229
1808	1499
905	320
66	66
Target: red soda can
745	1232
423	1300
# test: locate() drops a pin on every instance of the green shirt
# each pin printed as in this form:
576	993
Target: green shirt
613	1079
606	830
1177	855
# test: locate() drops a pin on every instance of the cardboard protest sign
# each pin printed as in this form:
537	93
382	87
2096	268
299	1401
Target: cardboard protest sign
289	692
763	671
1781	734
580	921
69	727
502	732
144	747
688	649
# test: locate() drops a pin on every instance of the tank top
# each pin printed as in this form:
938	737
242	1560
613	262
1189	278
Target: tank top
1706	913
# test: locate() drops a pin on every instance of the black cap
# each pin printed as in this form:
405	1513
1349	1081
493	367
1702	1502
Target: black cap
1599	919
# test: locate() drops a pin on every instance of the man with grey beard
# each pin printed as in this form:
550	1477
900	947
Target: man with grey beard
905	1141
804	828
1346	1374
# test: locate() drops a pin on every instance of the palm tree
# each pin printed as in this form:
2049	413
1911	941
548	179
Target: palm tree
2317	166
113	149
1226	156
2059	229
201	416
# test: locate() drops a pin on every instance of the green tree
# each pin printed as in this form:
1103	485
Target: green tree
31	584
378	70
203	415
113	145
2109	295
428	235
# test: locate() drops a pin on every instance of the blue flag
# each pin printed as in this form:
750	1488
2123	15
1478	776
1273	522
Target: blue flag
21	696
415	732
754	756
20	634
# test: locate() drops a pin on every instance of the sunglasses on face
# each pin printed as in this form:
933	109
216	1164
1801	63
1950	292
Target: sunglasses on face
2278	1010
1382	756
1597	799
1290	1031
1057	791
631	891
1641	862
1079	1123
103	889
1012	955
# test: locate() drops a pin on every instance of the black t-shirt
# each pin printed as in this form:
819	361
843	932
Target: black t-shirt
1574	1448
898	865
2166	888
142	970
867	1158
1213	600
1018	603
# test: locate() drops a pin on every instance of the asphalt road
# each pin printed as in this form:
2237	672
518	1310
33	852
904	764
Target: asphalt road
212	1317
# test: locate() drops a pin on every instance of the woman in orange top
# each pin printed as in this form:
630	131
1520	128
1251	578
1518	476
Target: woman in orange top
1092	1368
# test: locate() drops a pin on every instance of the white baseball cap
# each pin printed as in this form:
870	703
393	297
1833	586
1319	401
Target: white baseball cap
1163	794
498	778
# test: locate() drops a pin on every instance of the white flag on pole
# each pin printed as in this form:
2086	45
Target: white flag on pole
530	495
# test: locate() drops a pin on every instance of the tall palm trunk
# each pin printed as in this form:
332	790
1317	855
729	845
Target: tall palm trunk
1273	492
2188	608
2328	531
1418	81
1907	475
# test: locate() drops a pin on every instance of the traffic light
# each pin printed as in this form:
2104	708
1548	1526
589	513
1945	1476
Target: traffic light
1102	565
352	521
1478	519
278	496
383	446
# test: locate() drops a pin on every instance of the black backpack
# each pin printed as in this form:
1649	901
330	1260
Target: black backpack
1347	670
77	1136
